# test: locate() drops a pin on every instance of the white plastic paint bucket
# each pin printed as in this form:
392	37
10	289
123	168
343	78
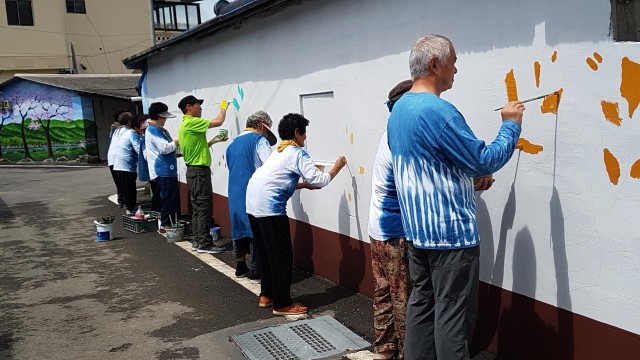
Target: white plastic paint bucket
104	232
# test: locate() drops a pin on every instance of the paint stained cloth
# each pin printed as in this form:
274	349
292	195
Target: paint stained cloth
435	156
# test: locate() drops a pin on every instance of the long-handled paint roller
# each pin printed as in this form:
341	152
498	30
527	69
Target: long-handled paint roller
534	98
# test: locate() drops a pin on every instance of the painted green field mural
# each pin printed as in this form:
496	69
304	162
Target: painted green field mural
39	122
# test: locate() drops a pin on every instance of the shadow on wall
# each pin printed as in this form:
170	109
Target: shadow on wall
545	337
563	292
360	31
352	259
302	235
503	316
490	300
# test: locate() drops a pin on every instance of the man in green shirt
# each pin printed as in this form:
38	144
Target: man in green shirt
195	150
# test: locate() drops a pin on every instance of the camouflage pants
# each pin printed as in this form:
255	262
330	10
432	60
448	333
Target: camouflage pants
391	291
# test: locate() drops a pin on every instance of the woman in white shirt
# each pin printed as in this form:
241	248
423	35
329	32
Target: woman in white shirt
268	191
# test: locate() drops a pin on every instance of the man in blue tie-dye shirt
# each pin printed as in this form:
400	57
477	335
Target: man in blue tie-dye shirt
435	157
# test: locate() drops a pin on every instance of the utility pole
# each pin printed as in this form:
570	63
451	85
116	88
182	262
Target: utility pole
74	62
153	23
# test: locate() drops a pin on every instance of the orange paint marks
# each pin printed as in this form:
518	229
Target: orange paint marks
554	57
551	103
635	170
592	64
612	165
528	147
630	84
536	69
611	112
512	89
598	57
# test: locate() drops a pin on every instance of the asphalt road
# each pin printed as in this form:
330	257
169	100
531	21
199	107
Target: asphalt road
63	295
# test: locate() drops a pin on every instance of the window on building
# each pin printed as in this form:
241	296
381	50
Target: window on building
175	16
76	7
625	20
19	12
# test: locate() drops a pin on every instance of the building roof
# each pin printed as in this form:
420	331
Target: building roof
229	19
112	85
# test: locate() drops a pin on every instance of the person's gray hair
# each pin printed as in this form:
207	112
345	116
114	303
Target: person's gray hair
254	120
426	48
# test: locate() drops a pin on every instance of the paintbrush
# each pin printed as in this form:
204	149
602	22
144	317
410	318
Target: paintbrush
534	98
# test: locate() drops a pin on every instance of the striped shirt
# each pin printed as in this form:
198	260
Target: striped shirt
435	156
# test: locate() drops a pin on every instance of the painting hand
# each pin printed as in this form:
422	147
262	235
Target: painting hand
224	104
513	111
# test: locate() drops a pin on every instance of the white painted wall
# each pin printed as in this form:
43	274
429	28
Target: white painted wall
553	226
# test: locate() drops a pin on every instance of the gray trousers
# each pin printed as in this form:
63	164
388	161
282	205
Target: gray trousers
443	305
201	195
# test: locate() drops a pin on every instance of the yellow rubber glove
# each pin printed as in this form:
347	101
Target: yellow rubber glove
224	104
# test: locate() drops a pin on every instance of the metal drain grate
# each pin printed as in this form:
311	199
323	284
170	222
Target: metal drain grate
306	339
274	347
311	337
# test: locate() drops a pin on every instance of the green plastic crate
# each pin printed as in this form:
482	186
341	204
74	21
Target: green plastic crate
137	226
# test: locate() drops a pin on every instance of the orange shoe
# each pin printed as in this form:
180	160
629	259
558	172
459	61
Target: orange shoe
264	302
293	309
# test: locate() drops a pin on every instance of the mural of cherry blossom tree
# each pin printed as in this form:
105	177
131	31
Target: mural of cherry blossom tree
51	106
5	114
24	102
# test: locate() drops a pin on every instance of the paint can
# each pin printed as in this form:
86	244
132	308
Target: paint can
215	233
174	233
104	232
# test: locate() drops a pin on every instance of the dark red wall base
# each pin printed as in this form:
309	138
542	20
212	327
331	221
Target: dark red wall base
510	324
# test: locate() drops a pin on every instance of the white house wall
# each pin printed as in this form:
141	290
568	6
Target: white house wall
554	226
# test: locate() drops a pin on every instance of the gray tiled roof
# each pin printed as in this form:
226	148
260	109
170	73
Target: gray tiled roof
112	85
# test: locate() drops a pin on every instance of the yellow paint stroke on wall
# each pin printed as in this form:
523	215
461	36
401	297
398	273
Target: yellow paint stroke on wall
612	165
349	196
554	57
551	103
536	69
630	85
592	64
597	56
351	138
611	112
635	170
512	88
361	170
528	147
346	130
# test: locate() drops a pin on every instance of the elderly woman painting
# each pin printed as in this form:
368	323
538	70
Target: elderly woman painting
267	193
